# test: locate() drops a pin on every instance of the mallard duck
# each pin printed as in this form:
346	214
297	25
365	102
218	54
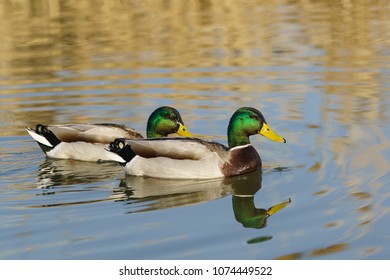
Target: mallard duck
192	158
87	142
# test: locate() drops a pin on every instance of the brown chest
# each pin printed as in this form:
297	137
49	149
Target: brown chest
241	161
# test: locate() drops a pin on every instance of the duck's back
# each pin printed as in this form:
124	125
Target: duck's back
93	133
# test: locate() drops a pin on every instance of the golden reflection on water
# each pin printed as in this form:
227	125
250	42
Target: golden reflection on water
62	61
316	252
44	39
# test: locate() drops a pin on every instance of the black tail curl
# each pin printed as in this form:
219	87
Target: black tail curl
119	147
49	135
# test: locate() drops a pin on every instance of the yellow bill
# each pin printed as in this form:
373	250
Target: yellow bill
266	131
182	131
278	207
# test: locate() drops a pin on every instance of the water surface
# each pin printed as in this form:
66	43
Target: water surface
318	71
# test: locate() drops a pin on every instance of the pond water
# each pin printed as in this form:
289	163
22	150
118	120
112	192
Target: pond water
318	70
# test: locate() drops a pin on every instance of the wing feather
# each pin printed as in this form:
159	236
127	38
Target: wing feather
93	133
175	148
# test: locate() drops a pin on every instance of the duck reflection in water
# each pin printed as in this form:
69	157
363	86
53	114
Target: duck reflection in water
146	194
243	191
59	173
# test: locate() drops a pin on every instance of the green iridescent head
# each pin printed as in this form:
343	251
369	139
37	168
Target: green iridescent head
164	121
248	121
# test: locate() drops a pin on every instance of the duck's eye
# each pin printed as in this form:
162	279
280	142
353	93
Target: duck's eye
254	117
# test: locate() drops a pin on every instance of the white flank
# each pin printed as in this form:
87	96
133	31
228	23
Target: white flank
80	151
114	157
39	138
162	167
